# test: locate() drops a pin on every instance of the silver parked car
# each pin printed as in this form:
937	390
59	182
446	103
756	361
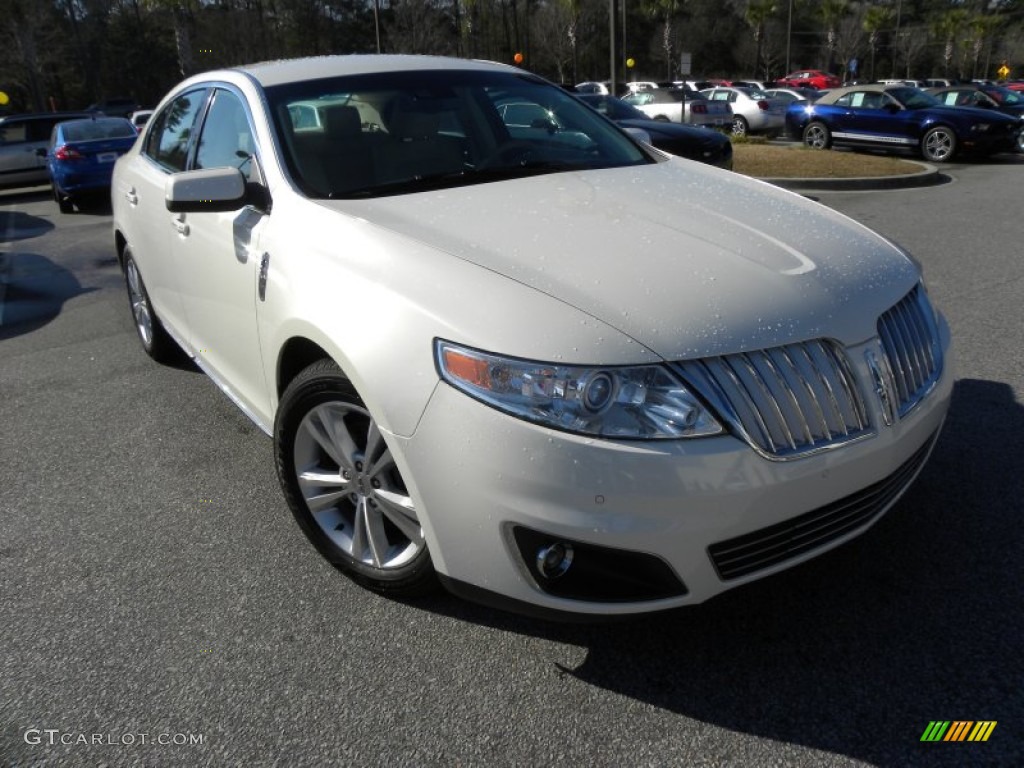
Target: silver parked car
752	110
23	143
474	372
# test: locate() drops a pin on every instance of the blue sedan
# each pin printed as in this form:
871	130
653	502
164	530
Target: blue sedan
894	116
82	154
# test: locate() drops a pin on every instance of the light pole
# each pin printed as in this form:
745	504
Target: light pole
896	38
613	59
376	21
789	35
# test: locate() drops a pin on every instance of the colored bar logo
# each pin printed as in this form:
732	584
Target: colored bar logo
958	730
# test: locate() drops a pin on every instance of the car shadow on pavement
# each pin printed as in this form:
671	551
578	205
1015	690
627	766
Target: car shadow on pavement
32	291
17	225
857	651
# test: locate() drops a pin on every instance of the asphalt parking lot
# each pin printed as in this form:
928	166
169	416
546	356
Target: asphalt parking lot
160	607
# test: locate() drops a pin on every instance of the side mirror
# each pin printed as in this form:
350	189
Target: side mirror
545	124
639	134
212	189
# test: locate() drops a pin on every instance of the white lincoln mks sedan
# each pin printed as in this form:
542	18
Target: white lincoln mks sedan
537	362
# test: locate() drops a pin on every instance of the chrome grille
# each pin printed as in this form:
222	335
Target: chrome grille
775	544
784	401
911	342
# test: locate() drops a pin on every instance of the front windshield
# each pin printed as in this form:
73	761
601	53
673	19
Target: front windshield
913	98
393	133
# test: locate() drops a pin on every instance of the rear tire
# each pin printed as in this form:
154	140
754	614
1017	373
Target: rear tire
739	126
154	339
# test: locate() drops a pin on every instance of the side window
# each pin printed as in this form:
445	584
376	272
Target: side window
12	132
847	99
226	139
39	130
168	140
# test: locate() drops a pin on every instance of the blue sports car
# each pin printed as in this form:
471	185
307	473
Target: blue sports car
897	116
82	154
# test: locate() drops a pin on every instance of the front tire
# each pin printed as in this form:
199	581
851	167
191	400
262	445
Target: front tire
938	145
154	339
344	487
817	136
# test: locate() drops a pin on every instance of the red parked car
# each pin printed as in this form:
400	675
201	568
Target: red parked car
809	78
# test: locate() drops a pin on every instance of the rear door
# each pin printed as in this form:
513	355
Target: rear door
167	146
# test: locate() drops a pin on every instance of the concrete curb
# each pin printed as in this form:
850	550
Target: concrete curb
926	177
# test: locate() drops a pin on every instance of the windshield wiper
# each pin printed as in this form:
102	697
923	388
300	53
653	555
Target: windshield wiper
464	177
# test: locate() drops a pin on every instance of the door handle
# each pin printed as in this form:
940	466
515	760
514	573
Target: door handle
179	223
131	197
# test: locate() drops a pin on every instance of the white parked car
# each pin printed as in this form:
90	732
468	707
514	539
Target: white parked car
475	372
680	105
752	111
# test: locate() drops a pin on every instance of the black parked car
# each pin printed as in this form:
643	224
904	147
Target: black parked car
984	96
704	144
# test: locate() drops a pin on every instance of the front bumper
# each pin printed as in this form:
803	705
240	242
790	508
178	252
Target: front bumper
480	476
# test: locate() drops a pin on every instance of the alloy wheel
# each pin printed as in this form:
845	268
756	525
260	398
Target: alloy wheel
352	487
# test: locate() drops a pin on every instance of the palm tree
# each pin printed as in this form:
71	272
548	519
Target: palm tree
665	9
181	18
946	28
982	26
876	18
756	14
831	11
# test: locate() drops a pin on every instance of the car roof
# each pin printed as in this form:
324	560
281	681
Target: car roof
43	116
273	73
836	93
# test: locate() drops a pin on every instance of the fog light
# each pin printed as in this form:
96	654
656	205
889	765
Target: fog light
554	560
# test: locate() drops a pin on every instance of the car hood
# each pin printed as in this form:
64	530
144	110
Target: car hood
675	131
687	260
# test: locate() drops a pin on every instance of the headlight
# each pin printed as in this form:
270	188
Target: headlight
636	402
